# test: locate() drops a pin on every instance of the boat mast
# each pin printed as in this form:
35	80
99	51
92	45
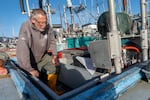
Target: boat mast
49	11
69	5
144	31
114	38
65	20
60	15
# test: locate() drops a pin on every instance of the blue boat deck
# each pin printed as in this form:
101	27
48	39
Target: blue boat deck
141	91
125	86
8	90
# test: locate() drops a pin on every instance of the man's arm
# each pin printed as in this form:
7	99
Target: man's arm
55	60
23	53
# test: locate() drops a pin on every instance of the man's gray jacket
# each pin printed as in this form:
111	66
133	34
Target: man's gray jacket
33	45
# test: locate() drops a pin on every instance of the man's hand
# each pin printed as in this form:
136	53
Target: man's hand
34	73
55	60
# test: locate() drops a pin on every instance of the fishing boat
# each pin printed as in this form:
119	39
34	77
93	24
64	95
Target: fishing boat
106	69
19	84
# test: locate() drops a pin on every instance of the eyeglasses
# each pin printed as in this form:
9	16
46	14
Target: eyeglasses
41	23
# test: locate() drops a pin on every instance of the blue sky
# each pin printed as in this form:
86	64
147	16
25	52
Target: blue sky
11	17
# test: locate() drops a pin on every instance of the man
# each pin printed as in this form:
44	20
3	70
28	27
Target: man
36	37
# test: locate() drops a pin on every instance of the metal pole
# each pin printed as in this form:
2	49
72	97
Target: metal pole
71	15
69	5
143	13
49	12
28	7
65	20
114	38
144	31
60	15
112	13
